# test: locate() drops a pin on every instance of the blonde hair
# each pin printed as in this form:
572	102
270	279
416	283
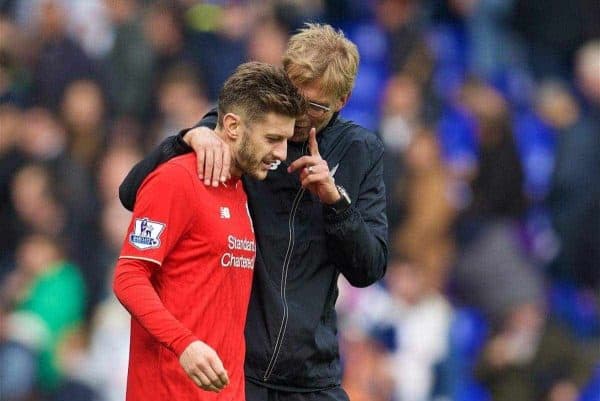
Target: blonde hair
318	51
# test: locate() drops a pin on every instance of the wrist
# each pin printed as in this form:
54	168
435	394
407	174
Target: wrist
342	203
183	139
335	198
181	344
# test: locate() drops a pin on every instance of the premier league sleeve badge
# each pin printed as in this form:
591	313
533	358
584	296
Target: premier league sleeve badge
146	234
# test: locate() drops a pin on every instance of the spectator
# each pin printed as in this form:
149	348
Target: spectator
37	207
267	41
494	275
59	59
587	79
43	140
529	358
217	40
421	319
12	77
48	297
367	376
550	46
424	234
181	98
83	112
418	318
18	362
130	60
401	119
498	184
574	197
164	31
10	161
113	167
103	363
112	221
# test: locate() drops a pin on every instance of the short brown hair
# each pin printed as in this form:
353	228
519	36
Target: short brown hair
255	89
320	52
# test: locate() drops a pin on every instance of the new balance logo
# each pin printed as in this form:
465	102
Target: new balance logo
225	213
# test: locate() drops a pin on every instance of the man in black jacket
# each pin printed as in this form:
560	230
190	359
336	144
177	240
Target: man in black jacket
315	218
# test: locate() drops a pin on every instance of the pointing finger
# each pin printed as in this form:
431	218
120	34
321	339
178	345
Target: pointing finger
313	146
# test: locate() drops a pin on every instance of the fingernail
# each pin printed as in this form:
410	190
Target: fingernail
223	179
215	183
200	176
206	182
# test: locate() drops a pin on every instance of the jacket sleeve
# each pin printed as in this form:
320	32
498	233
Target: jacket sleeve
168	149
357	238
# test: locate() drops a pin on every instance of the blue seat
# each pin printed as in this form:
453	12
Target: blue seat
576	308
468	333
457	134
536	143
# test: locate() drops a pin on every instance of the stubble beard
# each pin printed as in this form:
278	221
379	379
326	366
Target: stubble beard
247	160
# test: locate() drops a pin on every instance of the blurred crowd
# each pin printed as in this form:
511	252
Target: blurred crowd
490	114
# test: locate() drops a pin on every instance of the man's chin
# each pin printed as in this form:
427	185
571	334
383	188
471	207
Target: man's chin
300	134
259	174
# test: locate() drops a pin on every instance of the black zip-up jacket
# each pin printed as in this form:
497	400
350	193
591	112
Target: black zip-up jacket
303	246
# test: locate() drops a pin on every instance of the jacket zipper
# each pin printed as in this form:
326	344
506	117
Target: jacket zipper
286	263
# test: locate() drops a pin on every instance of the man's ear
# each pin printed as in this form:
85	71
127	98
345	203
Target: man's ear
231	125
342	100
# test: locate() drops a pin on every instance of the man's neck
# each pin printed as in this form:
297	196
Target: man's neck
234	169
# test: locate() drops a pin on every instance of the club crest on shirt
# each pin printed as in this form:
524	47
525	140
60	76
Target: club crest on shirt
146	234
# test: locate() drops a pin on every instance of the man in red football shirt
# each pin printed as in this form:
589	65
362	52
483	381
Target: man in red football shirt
185	269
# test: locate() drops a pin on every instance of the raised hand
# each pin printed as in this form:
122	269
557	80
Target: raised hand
212	154
314	172
204	367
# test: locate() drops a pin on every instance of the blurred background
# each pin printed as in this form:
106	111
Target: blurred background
490	114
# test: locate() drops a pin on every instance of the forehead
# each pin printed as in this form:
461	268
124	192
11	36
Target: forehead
275	124
313	91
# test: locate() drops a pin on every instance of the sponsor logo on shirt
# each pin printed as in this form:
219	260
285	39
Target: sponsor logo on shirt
146	234
224	213
235	259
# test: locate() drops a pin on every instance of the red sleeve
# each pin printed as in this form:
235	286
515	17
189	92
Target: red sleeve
133	288
162	214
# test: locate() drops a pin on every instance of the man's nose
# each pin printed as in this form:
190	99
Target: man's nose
280	151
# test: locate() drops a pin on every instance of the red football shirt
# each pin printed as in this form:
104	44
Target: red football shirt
201	245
